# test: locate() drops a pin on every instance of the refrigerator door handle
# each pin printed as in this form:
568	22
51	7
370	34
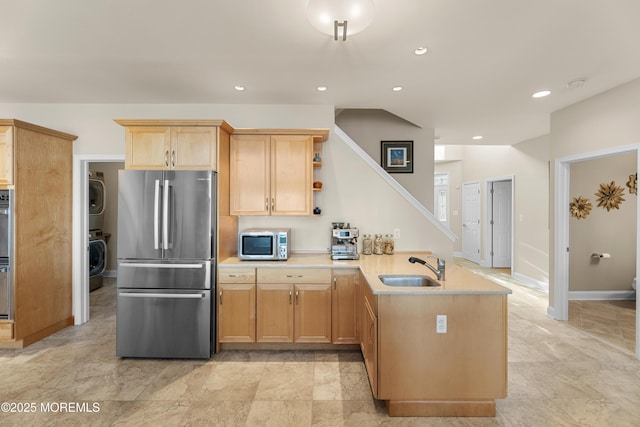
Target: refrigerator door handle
165	215
156	213
199	295
152	265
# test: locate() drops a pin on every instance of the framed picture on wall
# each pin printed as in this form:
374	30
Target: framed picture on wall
397	156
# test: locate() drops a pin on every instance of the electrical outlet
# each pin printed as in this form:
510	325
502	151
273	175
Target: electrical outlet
396	233
441	324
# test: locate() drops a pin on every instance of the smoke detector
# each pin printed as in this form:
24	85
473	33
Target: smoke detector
576	83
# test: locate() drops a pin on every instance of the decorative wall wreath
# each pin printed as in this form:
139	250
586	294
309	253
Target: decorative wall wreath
610	196
632	184
580	207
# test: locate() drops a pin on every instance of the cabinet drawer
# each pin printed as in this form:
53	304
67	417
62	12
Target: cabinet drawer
294	275
237	275
6	331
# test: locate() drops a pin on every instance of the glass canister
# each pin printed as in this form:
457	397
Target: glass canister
388	244
367	245
378	245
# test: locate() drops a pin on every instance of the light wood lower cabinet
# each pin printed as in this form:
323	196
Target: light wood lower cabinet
293	305
344	306
236	305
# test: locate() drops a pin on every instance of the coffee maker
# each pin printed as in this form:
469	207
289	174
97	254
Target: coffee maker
344	241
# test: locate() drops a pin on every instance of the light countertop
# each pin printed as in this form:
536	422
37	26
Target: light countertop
459	280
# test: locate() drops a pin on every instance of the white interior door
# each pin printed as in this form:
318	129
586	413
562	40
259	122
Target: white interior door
501	224
471	221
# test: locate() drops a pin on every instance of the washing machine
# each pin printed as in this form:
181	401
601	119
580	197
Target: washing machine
96	200
97	258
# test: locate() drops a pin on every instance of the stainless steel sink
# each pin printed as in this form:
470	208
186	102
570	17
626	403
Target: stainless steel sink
407	280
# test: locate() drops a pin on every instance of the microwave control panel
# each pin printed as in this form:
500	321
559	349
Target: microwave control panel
282	246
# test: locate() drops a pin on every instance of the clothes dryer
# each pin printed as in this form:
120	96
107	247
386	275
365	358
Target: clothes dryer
97	199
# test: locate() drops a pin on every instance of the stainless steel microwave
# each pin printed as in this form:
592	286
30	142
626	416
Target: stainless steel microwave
268	244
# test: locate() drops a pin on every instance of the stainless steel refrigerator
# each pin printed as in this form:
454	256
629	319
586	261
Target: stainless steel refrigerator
166	264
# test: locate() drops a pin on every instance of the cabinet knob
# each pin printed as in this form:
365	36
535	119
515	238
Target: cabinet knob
290	294
220	297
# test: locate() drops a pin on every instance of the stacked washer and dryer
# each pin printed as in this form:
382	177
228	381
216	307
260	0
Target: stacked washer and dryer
97	237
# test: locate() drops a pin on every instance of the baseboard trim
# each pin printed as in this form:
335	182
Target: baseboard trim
601	295
532	283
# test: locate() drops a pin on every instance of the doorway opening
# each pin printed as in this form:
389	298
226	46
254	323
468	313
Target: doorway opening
81	236
560	309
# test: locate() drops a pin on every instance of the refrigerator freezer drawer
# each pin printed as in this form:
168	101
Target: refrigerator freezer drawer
164	275
164	324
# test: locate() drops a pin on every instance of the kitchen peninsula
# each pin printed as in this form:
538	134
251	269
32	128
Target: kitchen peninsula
429	351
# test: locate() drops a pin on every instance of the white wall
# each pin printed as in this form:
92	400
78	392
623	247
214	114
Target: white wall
606	121
352	192
368	127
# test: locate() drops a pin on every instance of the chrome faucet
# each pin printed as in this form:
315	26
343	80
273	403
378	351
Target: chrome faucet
439	272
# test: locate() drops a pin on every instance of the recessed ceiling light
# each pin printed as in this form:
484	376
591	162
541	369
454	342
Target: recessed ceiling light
397	88
321	88
239	88
420	51
477	137
541	94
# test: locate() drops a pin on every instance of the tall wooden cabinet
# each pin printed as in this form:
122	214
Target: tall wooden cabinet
36	163
272	171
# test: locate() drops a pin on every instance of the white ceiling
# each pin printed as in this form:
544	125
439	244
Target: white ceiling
485	57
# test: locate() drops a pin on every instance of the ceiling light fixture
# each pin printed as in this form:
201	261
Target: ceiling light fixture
340	18
396	88
541	94
321	88
477	137
420	51
239	88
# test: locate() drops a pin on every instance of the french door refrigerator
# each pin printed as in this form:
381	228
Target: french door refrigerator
166	264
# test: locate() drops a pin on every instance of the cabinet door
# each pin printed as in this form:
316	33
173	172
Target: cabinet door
193	148
312	313
6	155
236	312
148	147
370	349
250	193
344	307
291	175
274	318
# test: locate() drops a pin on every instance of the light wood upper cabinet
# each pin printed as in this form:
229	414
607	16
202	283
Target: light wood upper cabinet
6	155
250	175
291	175
172	144
345	307
272	173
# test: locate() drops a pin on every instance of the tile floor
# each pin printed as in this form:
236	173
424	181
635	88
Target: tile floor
558	376
612	321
